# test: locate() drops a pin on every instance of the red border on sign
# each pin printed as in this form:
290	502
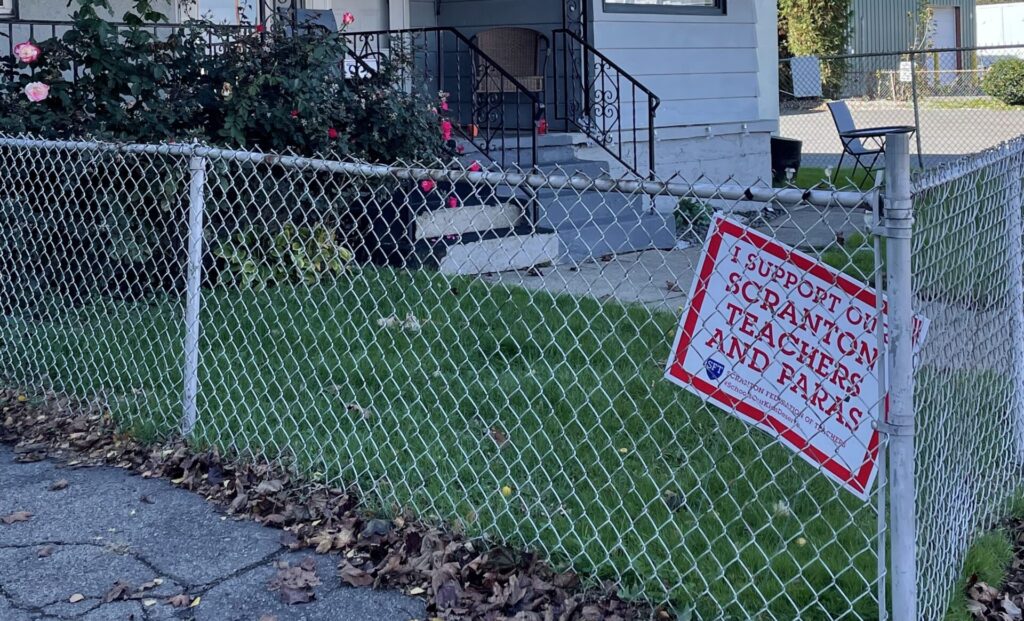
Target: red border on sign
857	480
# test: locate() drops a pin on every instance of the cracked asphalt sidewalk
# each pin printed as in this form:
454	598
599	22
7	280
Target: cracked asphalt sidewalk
108	525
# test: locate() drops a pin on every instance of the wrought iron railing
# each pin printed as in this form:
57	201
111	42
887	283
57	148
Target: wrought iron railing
491	111
13	32
599	98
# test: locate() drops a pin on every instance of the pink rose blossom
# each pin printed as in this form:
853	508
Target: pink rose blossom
332	133
348	19
295	114
475	167
261	28
444	105
460	149
446	130
37	91
427	185
453	202
27	52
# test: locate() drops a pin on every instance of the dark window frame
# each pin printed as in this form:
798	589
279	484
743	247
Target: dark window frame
13	15
611	6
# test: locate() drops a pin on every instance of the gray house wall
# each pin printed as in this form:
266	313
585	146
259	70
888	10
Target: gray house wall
888	25
58	9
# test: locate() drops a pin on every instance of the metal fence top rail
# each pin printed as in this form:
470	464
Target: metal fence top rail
938	50
935	177
867	199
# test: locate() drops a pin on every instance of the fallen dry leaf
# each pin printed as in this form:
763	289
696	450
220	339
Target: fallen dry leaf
17	516
121	590
58	485
268	618
673	286
179	601
294	584
45	551
354	576
498	436
77	597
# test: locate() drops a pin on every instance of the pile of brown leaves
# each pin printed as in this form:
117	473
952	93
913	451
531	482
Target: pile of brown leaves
986	603
461	578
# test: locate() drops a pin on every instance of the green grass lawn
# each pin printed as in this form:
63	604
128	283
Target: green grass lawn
613	470
811	176
956	103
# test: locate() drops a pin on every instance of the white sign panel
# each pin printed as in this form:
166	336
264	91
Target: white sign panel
789	345
906	71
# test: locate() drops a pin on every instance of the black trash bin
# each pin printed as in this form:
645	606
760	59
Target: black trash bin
785	154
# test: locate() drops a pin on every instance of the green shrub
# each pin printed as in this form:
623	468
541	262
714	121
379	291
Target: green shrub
258	258
77	226
693	219
1005	81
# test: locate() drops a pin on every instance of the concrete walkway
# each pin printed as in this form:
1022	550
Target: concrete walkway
108	526
661	279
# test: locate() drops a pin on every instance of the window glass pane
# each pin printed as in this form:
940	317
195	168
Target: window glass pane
7	8
698	3
229	11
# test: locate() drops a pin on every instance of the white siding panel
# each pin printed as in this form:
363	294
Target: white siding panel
721	60
421	14
705	68
672	34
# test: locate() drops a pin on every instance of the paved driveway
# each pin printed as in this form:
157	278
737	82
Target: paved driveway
946	134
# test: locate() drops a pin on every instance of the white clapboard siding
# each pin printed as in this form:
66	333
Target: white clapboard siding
705	68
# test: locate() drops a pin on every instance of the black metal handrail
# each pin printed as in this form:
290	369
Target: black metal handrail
489	118
17	30
591	100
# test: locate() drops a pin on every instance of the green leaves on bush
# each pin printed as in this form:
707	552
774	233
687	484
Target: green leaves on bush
1005	81
818	28
278	89
256	259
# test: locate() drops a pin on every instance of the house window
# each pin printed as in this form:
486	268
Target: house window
707	7
8	9
224	11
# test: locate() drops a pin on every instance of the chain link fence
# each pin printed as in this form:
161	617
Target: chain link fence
488	349
968	281
940	92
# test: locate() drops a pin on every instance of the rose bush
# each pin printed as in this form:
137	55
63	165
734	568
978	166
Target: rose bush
270	88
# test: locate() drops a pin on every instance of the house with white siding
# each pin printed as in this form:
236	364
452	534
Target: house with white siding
602	87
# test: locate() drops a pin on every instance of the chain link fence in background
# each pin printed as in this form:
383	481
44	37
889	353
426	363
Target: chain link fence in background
938	91
488	349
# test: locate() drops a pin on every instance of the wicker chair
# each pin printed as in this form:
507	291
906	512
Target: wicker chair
521	52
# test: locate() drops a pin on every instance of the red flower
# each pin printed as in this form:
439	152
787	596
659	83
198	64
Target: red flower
461	149
453	202
446	130
295	114
427	185
261	28
332	133
475	167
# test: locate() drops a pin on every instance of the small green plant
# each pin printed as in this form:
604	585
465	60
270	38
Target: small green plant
256	259
693	219
1005	81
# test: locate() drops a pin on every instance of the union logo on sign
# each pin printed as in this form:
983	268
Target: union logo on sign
714	368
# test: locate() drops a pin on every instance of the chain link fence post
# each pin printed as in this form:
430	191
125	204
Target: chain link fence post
196	207
899	222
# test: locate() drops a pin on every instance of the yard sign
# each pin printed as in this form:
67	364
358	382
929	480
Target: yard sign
788	345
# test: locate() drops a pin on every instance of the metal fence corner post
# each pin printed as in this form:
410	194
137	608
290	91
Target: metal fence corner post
903	492
193	291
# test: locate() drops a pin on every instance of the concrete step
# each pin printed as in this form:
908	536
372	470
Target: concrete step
500	254
642	231
572	208
552	147
466	219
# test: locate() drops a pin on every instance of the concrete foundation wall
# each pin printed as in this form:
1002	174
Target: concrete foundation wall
743	157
